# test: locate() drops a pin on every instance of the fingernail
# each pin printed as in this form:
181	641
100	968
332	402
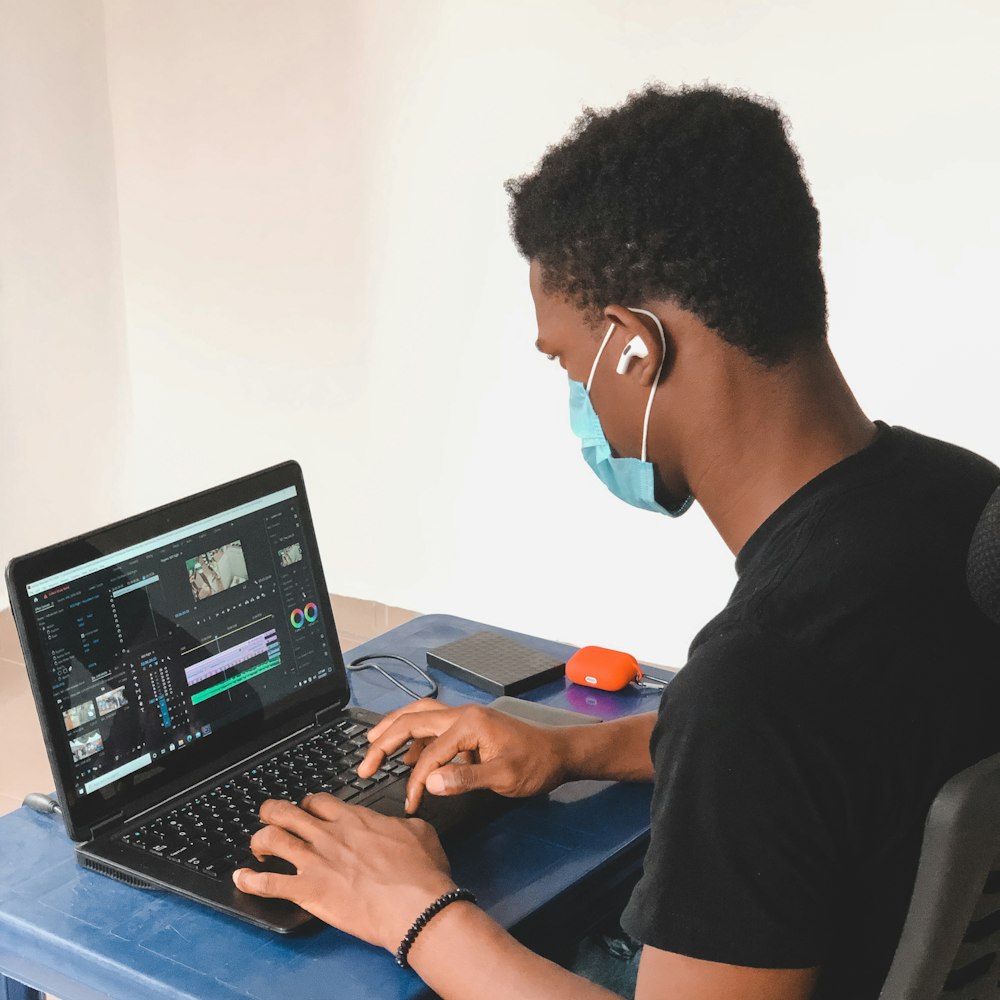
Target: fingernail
237	874
406	803
435	783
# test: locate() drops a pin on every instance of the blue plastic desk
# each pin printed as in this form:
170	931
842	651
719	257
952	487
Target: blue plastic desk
83	936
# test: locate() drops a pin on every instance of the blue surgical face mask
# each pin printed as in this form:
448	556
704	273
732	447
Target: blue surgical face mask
630	479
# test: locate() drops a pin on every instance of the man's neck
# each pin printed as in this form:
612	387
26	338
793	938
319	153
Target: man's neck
778	429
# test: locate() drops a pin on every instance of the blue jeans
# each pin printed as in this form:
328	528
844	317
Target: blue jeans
611	962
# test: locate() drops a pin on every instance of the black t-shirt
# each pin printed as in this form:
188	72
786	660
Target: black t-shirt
798	751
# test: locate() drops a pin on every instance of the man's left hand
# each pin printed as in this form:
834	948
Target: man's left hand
367	874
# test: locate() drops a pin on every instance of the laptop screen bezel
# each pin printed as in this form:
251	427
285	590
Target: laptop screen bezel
137	792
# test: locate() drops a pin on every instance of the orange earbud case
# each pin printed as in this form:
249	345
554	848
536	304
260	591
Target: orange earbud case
607	669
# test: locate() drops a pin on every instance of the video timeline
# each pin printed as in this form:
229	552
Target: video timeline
210	677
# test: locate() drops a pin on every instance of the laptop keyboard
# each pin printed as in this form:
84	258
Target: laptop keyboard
211	832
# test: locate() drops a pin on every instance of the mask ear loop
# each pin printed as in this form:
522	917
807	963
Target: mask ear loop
593	367
652	393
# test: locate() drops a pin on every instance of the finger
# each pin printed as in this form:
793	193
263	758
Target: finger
371	762
281	812
421	705
327	807
437	753
266	884
454	779
413	752
413	725
273	840
365	821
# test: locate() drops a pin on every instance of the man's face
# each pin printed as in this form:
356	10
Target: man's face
568	334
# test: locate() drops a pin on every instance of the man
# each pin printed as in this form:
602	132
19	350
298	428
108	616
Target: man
674	265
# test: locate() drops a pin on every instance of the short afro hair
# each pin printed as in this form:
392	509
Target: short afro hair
694	195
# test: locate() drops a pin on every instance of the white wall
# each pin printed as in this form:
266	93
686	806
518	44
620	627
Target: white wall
64	391
316	263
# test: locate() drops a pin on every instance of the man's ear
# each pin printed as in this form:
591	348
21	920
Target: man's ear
634	324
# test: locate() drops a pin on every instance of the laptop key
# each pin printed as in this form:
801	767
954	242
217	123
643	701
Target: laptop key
139	838
224	865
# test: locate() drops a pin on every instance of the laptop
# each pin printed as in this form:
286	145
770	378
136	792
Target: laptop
185	666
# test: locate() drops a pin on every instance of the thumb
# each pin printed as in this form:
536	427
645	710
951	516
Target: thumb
453	779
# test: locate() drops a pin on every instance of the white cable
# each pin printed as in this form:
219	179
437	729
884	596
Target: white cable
593	367
652	392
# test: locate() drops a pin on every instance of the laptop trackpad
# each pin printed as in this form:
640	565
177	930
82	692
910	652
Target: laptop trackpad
389	804
437	811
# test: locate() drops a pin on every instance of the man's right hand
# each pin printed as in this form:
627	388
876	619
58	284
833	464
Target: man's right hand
507	755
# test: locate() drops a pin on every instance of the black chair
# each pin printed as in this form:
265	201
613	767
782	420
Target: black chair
950	945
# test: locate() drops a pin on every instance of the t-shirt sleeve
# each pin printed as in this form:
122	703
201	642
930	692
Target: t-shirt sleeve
747	817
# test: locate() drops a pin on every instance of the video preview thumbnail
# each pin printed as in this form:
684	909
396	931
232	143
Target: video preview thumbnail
217	570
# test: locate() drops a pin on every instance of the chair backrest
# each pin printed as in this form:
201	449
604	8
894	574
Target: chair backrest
983	568
950	945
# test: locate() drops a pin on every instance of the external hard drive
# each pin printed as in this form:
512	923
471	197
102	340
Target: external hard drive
495	663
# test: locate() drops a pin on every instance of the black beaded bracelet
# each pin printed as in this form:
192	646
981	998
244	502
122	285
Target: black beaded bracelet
418	925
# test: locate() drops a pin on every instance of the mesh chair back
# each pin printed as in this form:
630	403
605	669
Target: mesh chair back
983	568
950	945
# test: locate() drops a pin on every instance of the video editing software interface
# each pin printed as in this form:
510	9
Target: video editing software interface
156	647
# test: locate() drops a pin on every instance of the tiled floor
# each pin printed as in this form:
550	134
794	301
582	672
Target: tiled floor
23	765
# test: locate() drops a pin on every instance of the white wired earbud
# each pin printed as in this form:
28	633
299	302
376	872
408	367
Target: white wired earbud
635	348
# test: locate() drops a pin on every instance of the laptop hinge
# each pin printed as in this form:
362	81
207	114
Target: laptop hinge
99	829
328	714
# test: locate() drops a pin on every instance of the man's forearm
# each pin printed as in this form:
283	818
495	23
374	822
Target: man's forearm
461	949
617	751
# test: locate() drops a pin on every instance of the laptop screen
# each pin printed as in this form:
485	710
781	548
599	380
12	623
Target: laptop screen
166	645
